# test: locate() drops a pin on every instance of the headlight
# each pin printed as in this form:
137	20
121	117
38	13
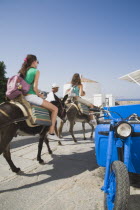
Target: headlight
123	130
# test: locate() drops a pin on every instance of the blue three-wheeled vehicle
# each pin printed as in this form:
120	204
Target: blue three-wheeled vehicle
117	146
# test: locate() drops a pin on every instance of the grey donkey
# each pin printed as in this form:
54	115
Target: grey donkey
74	115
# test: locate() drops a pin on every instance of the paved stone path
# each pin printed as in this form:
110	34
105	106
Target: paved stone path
69	180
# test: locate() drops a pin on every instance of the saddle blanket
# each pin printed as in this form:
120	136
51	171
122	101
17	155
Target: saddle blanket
83	108
41	116
37	115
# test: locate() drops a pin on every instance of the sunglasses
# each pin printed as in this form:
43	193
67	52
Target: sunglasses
38	62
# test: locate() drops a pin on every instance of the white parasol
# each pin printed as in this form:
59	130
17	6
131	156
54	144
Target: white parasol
132	77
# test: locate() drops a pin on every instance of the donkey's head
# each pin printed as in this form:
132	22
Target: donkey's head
60	103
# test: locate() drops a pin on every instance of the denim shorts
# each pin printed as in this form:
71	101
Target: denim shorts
34	99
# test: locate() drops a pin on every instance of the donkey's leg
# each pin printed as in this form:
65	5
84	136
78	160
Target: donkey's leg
56	132
6	136
60	129
48	146
7	156
92	127
83	126
71	130
40	145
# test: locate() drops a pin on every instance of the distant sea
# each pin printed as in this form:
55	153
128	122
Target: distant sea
127	99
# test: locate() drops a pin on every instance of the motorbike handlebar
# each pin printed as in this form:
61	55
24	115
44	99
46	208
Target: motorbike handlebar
132	116
109	114
95	109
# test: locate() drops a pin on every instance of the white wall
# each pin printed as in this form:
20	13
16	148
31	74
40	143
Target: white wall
65	87
109	100
104	100
94	95
91	89
99	99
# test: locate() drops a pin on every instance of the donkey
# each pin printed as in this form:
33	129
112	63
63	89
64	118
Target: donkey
12	120
73	116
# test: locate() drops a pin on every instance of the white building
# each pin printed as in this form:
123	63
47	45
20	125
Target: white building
109	100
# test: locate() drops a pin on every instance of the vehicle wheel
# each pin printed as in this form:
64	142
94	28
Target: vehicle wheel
119	188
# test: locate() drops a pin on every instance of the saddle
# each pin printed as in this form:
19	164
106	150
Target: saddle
82	108
36	115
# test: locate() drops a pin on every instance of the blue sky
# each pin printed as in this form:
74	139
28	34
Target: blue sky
99	39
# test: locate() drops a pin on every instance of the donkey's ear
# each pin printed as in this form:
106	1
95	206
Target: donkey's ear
56	98
65	98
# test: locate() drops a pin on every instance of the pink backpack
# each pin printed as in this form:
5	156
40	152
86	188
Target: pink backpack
16	85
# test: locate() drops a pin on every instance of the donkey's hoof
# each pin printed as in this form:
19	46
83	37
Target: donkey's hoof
59	143
61	137
75	140
40	160
50	152
85	138
42	163
16	170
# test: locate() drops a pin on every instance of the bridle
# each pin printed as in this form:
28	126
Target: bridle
61	107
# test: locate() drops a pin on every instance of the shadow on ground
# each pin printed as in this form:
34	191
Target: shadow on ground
22	142
134	180
64	166
26	141
134	202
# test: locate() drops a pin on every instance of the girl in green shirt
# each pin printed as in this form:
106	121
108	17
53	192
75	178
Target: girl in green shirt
31	75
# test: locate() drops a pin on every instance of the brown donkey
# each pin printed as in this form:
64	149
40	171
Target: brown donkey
12	119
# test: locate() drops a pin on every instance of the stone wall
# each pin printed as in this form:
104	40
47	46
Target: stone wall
126	102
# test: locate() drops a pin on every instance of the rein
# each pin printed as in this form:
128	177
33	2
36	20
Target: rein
62	108
4	113
14	121
72	104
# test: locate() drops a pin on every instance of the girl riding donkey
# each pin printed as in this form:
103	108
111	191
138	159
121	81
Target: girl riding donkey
13	120
31	75
77	89
74	113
